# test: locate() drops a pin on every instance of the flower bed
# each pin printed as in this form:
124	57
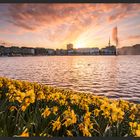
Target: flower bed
31	109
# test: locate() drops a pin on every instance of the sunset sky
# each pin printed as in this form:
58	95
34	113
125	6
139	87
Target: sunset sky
55	25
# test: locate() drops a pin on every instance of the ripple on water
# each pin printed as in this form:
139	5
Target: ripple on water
115	77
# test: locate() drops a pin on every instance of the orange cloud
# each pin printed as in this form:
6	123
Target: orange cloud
6	43
124	11
31	16
60	23
134	37
37	16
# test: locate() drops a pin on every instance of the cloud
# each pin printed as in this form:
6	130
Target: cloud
130	37
6	43
33	17
124	11
60	23
133	37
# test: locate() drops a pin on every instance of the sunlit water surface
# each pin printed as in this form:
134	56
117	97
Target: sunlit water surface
112	76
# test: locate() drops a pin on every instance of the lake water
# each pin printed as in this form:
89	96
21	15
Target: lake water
112	76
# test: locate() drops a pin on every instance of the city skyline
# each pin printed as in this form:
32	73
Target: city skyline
55	25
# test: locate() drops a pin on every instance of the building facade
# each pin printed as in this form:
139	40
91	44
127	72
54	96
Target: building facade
27	51
70	46
109	50
87	51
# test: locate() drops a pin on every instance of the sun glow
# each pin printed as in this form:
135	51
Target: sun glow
85	40
80	44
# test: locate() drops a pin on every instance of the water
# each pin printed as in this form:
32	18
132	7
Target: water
112	76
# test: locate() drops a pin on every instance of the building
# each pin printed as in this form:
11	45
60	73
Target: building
70	46
27	51
61	52
6	51
40	51
94	51
87	51
50	52
71	52
136	49
15	51
2	50
108	50
130	50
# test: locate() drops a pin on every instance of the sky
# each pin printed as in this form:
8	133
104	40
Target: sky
56	25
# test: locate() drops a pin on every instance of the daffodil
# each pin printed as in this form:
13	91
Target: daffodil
114	117
132	116
106	113
68	122
25	133
104	106
73	117
69	133
30	94
1	84
55	109
69	117
87	118
75	111
40	95
56	124
84	130
12	108
134	108
96	112
138	133
23	107
46	112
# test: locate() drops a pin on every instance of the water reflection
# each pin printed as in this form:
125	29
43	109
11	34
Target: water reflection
112	76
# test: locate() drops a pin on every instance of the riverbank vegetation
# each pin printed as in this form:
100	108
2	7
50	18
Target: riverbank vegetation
32	109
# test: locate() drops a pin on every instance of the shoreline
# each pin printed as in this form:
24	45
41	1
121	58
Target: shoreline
70	55
65	56
61	88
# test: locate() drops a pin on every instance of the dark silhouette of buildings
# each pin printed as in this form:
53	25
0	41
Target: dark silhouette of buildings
108	50
27	51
